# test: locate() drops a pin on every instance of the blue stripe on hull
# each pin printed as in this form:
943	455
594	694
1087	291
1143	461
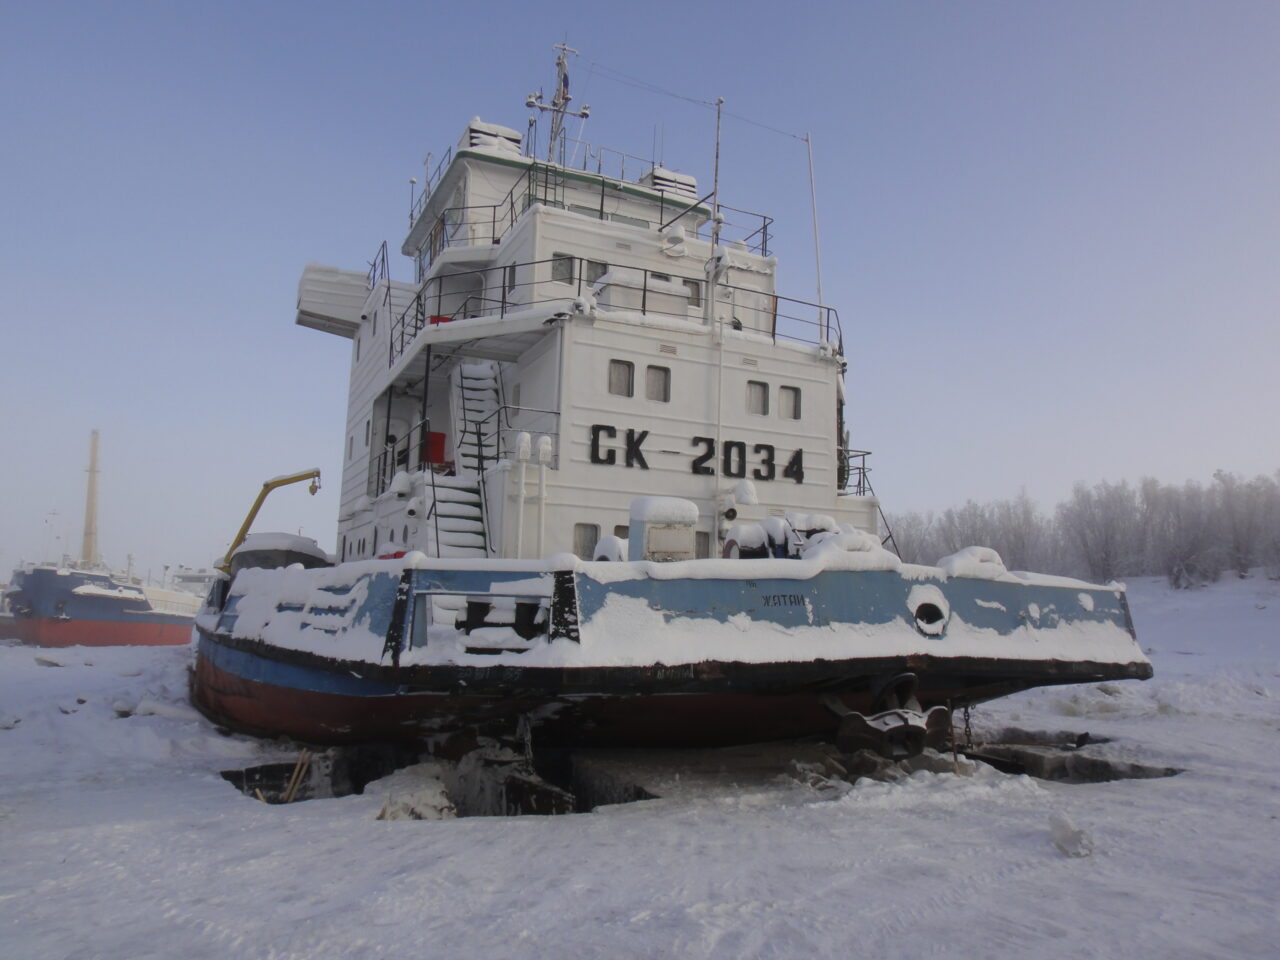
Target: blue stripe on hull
249	666
859	597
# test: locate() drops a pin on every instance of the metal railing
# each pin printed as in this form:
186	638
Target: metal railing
852	472
378	268
432	181
499	432
498	291
548	184
409	454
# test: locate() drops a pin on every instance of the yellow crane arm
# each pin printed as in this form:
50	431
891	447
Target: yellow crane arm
312	475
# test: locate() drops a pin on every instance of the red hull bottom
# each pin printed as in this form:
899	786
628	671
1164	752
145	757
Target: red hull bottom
48	632
642	720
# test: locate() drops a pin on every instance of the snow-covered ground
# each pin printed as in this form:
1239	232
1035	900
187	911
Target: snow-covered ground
118	838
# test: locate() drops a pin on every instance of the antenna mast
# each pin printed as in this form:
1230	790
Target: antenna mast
559	106
89	545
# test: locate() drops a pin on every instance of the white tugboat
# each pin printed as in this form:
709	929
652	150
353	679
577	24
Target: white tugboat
596	481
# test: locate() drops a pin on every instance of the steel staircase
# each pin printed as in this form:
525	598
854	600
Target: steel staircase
455	520
475	400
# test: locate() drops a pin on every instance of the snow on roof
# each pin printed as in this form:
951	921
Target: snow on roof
663	510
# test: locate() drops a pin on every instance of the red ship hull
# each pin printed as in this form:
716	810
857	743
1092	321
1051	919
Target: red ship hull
52	632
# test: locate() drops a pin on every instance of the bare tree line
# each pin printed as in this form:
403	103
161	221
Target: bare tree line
1191	534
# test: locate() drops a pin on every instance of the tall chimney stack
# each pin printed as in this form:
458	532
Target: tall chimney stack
89	546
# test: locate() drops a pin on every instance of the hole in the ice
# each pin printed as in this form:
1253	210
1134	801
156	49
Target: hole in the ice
1060	756
484	782
336	772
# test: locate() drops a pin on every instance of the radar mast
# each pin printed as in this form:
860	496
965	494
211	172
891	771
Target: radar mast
559	106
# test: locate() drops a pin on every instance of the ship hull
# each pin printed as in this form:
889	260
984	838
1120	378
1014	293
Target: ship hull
57	607
53	632
261	690
259	676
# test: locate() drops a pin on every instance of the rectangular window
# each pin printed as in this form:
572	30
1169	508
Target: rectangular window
350	441
630	221
421	620
701	544
366	433
585	538
357	349
695	292
789	403
594	270
621	531
657	384
515	396
622	374
373	319
562	268
758	398
509	278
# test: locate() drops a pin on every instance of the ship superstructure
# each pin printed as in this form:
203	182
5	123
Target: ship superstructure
572	342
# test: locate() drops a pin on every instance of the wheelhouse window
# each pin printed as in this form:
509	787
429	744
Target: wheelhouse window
657	384
593	270
585	538
622	378
695	292
562	268
630	221
509	278
789	403
758	398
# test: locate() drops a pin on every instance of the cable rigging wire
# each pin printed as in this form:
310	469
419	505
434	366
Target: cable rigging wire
611	74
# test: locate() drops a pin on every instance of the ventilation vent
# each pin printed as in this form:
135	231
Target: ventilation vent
666	348
481	134
671	183
750	362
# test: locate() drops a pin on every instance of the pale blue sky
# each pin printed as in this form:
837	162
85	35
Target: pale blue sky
1051	229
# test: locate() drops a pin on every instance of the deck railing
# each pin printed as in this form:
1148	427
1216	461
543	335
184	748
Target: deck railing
410	453
852	472
496	433
548	184
500	430
562	280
